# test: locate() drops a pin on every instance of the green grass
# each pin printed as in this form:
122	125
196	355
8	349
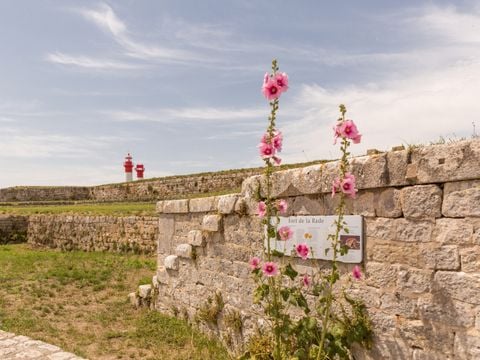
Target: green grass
114	209
77	301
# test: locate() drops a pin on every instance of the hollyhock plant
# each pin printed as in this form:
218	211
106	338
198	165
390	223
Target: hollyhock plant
282	206
285	233
270	89
302	250
349	130
356	272
348	185
282	81
335	186
270	269
277	140
266	150
254	263
261	209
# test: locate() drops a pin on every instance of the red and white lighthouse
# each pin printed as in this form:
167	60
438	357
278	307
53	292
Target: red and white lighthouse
128	165
139	169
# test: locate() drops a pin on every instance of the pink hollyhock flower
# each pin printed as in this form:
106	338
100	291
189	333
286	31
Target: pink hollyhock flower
282	81
356	272
306	280
302	250
337	133
349	130
282	206
277	140
266	150
276	160
285	233
271	90
348	185
335	186
254	263
270	269
261	209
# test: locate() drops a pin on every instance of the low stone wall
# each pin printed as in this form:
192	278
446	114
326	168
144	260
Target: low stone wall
422	261
13	229
44	193
136	234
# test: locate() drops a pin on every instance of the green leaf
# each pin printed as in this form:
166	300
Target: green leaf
277	253
290	272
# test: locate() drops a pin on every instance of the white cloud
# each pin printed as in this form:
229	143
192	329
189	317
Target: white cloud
88	62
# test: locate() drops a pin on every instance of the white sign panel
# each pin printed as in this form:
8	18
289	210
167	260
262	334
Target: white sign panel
314	231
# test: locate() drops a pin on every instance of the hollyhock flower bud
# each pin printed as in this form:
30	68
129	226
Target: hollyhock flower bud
282	206
266	78
277	140
348	185
254	263
276	160
285	233
356	272
282	81
271	90
266	150
302	250
306	280
261	209
270	269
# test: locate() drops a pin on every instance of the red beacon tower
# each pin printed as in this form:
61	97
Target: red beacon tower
140	170
128	165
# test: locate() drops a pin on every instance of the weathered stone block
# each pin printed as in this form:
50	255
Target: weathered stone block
205	204
159	207
441	309
144	291
453	231
414	281
470	259
388	203
459	286
196	238
175	206
226	204
307	180
397	167
442	257
399	304
421	201
413	230
381	228
162	275
370	171
166	229
283	183
134	299
461	199
171	262
364	204
308	205
380	275
467	345
184	251
212	223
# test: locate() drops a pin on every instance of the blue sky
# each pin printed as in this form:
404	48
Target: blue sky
177	83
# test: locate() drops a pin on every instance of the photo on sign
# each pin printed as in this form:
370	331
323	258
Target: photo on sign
350	241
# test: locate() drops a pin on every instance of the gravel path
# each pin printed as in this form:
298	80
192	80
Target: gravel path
22	348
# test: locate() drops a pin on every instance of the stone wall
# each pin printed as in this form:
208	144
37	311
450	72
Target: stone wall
44	193
13	229
421	211
136	234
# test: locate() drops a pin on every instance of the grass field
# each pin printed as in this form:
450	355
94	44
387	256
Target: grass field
77	300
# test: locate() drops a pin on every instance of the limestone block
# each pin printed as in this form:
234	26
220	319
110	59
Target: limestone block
205	204
398	304
381	228
370	171
461	199
308	205
251	186
394	253
283	183
364	203
184	251
380	275
226	204
453	231
442	257
171	262
467	345
159	207
388	203
470	259
134	299
162	275
212	223
413	280
447	162
196	238
427	355
459	286
421	201
155	281
175	206
307	180
441	309
413	230
397	167
241	206
166	229
144	291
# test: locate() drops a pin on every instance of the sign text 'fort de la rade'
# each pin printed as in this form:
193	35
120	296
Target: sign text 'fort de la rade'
314	231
